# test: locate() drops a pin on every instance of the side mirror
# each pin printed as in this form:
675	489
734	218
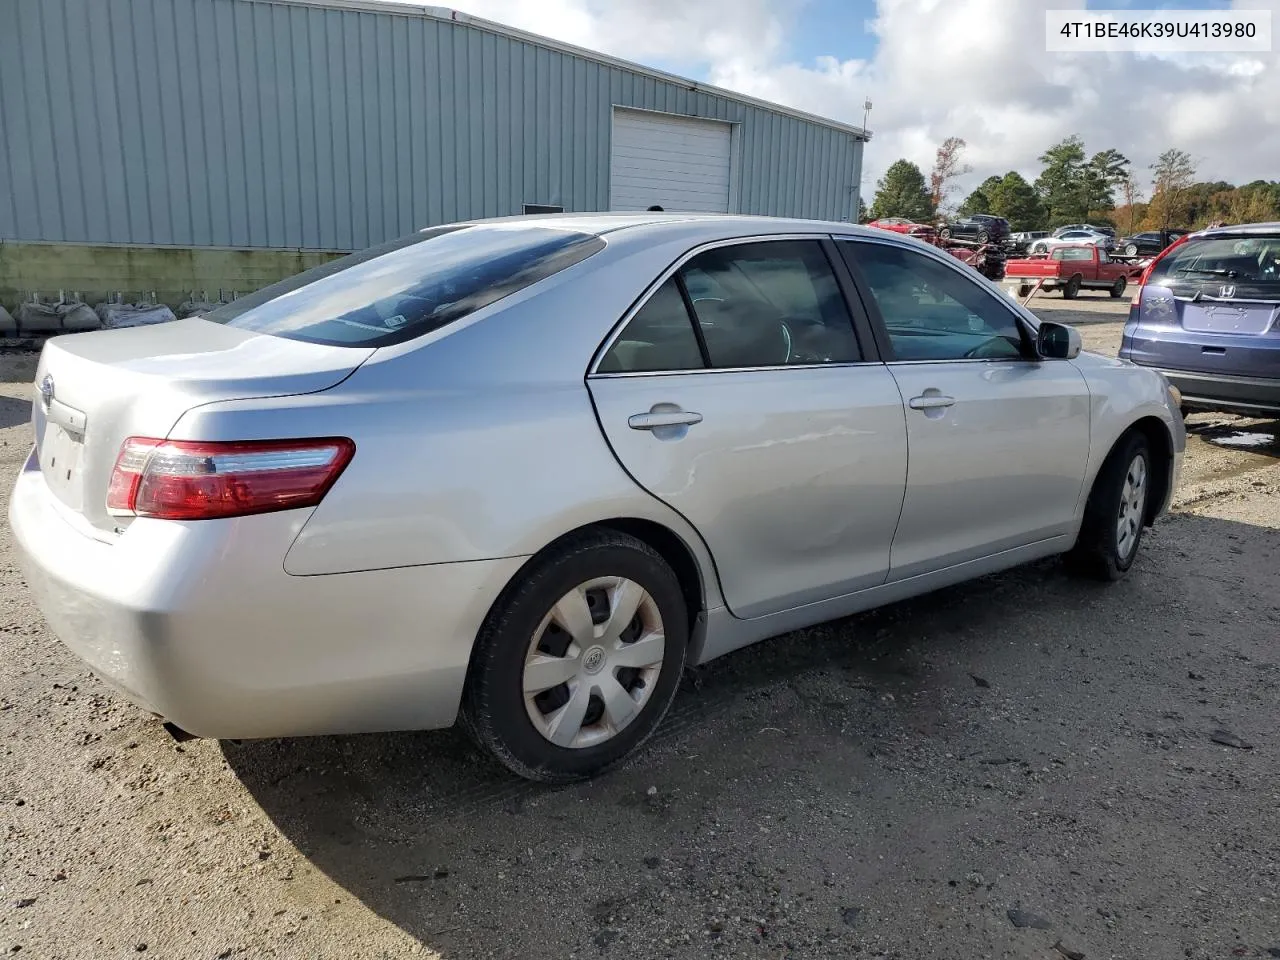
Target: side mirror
1057	341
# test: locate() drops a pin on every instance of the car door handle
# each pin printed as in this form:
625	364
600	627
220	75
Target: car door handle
932	402
663	418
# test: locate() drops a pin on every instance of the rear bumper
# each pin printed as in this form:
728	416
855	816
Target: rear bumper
199	623
1216	391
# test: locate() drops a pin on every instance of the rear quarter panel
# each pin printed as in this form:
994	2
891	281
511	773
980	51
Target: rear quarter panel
479	443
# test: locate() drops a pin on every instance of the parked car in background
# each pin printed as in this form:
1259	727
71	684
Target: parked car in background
1148	243
1073	238
1072	227
1070	269
980	227
520	472
906	227
1208	317
1020	242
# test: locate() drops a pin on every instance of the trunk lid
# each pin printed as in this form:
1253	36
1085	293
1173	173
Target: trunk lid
92	390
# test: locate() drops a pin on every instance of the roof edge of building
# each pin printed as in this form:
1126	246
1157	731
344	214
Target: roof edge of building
431	12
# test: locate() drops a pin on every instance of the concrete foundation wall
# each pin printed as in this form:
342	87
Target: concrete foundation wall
173	273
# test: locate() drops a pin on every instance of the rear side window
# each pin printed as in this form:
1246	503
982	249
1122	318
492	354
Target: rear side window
1224	267
408	287
769	303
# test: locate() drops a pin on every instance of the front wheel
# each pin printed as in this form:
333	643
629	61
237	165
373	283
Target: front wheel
579	660
945	233
1116	512
1117	288
983	236
1039	248
1131	250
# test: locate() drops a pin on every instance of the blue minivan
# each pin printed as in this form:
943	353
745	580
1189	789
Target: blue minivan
1207	315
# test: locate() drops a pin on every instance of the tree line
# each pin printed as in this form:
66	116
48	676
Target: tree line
1074	187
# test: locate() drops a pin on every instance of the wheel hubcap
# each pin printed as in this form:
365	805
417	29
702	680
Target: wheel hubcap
593	662
1133	502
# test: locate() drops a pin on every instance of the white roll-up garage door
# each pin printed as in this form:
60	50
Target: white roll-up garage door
679	163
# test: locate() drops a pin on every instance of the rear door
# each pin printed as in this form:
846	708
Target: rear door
738	393
998	440
1212	306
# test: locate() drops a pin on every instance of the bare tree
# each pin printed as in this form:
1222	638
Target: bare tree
946	167
1132	194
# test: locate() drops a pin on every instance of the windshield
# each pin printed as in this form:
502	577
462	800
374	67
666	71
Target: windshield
408	287
1223	267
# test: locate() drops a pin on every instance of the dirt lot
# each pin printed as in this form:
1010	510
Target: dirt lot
1021	767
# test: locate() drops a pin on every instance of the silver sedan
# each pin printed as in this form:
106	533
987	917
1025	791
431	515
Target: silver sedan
520	473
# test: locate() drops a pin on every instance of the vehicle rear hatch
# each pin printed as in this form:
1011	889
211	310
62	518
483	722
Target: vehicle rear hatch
92	390
1212	305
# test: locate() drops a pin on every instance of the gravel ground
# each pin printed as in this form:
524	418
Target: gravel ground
1020	767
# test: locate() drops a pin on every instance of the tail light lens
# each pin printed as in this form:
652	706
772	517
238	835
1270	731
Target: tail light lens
196	480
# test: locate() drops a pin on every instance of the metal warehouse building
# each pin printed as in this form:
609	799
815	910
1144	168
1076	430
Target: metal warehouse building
242	136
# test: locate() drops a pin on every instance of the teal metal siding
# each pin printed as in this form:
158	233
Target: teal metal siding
262	123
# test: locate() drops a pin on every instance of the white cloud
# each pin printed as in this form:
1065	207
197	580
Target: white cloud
971	68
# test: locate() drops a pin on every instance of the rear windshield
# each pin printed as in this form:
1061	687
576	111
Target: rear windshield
408	287
1223	267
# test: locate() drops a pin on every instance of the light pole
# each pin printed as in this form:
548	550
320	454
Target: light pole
866	109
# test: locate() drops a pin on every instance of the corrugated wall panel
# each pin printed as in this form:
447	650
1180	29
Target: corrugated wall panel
257	123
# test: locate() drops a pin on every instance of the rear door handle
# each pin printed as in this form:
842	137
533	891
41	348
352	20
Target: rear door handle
933	402
663	418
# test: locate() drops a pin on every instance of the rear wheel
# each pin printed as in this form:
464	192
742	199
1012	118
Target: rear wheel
945	233
1072	288
579	660
1117	288
1023	290
1039	248
983	236
1116	512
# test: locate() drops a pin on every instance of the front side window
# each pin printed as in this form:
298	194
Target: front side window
408	287
1075	253
931	311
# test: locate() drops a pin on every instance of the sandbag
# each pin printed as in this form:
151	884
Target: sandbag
77	316
36	317
136	315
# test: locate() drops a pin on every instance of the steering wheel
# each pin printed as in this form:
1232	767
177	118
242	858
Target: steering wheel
982	350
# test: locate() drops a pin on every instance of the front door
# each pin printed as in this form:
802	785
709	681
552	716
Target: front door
738	395
998	440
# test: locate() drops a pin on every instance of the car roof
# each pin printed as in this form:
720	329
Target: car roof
712	224
1244	228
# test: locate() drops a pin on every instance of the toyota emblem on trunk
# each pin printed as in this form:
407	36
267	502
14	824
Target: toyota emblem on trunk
1227	291
46	390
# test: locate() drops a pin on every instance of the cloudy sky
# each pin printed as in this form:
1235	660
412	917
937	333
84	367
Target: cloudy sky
934	68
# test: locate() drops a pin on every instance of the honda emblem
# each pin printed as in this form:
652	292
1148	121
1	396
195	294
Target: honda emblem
1228	291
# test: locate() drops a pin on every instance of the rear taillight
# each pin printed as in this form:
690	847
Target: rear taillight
196	480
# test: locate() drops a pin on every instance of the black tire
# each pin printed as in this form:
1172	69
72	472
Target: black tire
945	233
1117	288
983	236
1072	289
1097	552
1039	248
1131	250
493	705
1023	291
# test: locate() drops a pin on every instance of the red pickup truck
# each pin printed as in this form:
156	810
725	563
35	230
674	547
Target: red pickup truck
1070	268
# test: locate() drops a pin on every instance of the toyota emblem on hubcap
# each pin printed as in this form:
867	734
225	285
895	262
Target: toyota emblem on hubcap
593	660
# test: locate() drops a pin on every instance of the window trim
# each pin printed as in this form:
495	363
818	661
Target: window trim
869	350
881	329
